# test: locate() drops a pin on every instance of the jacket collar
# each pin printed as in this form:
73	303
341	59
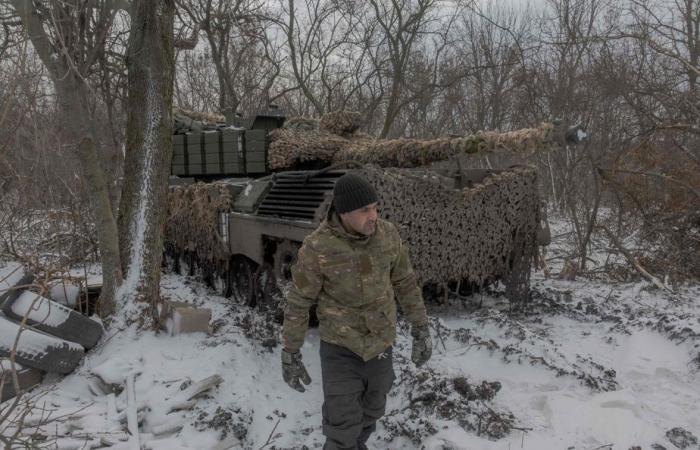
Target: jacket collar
332	222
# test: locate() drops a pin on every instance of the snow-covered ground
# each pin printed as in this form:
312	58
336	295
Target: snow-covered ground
588	365
555	368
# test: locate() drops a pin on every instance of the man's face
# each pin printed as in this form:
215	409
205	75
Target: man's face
361	221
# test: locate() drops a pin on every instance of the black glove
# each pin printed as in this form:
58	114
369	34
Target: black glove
422	345
293	370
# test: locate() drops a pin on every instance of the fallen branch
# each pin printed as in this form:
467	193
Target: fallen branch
270	438
633	261
131	413
187	398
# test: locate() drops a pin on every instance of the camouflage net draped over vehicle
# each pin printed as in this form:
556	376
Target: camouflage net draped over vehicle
193	223
342	123
420	152
290	147
474	234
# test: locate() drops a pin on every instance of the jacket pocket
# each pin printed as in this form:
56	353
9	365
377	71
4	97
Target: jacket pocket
383	319
341	279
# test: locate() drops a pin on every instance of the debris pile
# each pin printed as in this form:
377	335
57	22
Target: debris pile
681	438
228	422
431	397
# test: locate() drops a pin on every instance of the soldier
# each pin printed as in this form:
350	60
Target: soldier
353	267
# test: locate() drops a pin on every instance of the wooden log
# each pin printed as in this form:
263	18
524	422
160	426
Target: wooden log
132	417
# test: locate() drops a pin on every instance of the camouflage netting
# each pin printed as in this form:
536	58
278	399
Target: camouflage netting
290	148
475	235
193	223
417	152
338	140
342	123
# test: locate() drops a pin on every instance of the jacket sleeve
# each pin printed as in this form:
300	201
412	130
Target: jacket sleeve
405	283
306	285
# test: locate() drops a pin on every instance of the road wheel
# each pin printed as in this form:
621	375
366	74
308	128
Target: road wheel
269	298
242	271
285	257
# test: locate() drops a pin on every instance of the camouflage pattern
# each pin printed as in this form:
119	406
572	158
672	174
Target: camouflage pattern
355	281
422	348
293	371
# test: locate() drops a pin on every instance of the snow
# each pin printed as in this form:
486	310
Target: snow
40	309
65	293
657	387
117	369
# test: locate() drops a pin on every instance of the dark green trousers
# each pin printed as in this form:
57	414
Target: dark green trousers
354	395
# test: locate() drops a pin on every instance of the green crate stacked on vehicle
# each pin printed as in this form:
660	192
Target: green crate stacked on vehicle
256	151
208	153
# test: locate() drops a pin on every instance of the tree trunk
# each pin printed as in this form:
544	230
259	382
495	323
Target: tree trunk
151	66
72	95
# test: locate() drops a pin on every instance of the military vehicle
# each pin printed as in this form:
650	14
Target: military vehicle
246	194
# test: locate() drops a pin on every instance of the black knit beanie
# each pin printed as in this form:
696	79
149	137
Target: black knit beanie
352	192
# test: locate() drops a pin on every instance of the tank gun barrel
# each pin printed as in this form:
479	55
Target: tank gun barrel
406	153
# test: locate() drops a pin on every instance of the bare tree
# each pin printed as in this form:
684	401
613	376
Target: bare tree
401	29
151	67
320	41
68	37
493	47
239	46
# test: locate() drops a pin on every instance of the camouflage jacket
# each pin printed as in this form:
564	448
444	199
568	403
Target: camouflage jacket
354	281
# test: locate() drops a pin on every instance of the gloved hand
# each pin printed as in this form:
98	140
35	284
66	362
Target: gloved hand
422	345
293	370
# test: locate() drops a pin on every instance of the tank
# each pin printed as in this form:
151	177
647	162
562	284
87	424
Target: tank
245	195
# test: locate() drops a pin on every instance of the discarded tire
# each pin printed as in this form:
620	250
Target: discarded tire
53	318
39	350
26	376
